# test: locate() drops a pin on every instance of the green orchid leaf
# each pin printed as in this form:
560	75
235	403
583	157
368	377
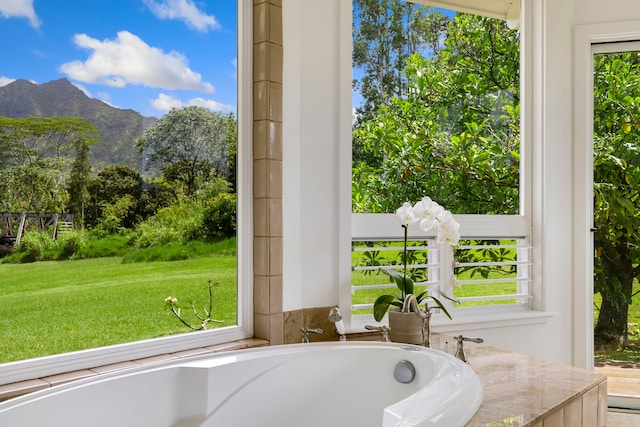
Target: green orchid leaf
444	295
404	283
422	296
381	306
441	307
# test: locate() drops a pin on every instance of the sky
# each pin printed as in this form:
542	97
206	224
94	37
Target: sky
145	55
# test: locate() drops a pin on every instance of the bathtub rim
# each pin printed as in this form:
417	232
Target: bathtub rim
394	413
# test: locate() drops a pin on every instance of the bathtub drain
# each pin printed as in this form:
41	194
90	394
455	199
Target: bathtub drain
404	372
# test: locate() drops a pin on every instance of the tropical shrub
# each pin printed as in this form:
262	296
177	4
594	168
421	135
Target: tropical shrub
219	219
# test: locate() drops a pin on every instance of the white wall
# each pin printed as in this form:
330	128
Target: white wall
311	111
311	201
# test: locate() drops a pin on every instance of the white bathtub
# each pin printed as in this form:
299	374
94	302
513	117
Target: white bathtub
324	384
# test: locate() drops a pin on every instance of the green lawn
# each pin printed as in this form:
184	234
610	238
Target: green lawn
54	307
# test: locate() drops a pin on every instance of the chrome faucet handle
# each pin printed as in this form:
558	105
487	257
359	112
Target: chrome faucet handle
383	328
460	353
305	333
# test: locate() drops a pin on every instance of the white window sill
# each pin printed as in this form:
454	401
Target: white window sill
471	319
67	362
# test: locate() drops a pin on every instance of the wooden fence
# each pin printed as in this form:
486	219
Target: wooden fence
14	225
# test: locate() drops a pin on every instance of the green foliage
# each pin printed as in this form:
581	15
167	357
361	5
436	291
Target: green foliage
177	223
219	218
189	144
36	246
455	134
33	246
69	244
616	190
386	33
98	246
34	188
180	251
114	214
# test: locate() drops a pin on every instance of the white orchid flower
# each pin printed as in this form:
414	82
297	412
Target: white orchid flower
406	214
445	219
449	234
428	212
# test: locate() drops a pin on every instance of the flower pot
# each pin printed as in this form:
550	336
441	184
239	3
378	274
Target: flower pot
405	327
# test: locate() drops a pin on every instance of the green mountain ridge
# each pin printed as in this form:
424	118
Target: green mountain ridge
118	128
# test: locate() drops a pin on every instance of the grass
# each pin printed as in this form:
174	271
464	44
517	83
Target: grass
393	256
53	307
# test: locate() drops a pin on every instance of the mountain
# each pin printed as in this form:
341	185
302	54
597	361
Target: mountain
118	128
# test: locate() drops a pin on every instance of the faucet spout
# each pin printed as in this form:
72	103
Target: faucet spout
305	333
411	302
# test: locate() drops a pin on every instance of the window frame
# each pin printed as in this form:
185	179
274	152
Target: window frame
385	226
67	362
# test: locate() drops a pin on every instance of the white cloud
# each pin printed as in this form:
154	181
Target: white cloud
6	80
184	10
20	9
129	60
166	102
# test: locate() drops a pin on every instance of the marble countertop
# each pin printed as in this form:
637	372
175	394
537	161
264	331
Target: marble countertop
519	390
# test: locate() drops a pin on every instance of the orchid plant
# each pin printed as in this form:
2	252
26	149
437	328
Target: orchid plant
431	215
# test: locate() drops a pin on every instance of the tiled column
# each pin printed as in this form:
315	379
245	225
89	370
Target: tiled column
267	170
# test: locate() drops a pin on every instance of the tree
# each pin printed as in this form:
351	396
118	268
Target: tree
188	144
110	188
455	134
386	33
31	139
37	154
616	190
79	180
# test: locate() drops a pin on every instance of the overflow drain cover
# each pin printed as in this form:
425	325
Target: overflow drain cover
404	372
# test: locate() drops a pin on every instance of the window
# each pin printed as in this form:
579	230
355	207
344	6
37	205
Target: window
447	126
49	365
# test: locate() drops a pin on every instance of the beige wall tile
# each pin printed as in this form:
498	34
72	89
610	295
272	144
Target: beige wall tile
275	23
261	61
275	179
267	169
261	295
261	217
260	179
260	22
275	294
275	141
261	256
275	63
275	256
261	100
275	101
275	217
276	329
9	391
261	326
69	376
261	131
114	367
